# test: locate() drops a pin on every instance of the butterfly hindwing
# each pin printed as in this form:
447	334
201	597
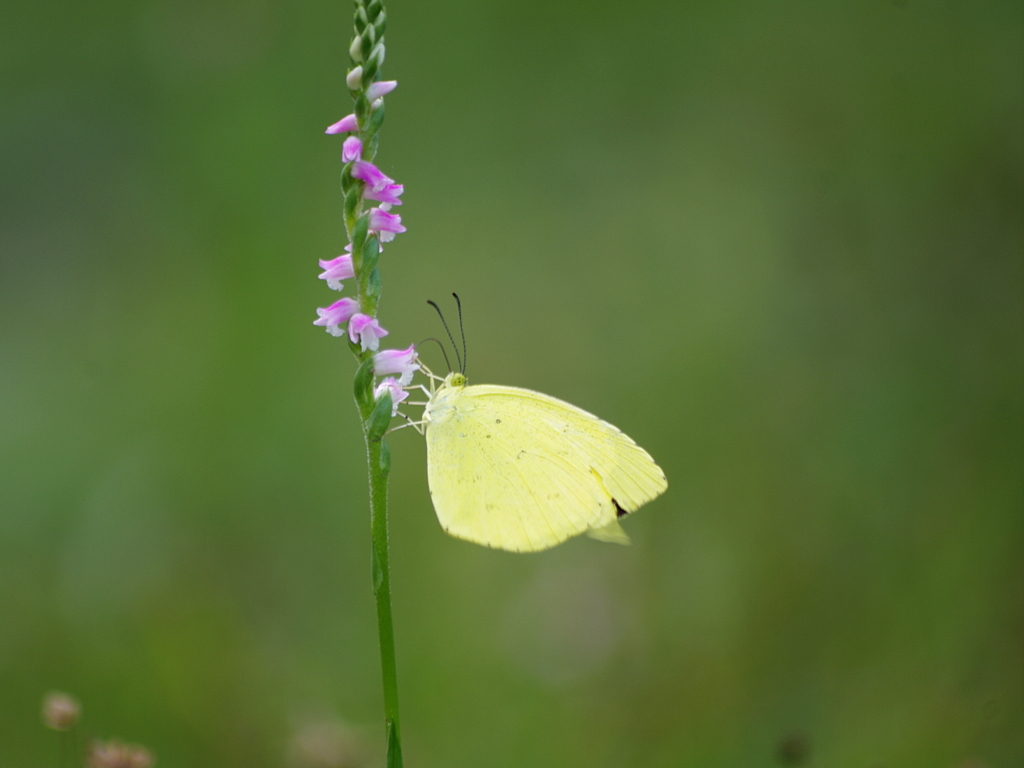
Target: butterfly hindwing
518	470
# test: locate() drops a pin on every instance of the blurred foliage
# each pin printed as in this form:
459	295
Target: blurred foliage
780	245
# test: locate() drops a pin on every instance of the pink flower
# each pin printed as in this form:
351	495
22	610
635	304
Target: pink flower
385	224
347	124
380	88
337	269
400	361
388	194
351	149
338	313
370	174
390	384
366	330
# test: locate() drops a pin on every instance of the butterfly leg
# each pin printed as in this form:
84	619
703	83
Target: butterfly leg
423	389
417	425
430	375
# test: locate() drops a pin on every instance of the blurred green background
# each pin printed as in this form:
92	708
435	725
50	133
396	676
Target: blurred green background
781	245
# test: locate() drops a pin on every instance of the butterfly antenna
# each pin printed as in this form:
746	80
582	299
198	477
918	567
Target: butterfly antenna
465	354
450	337
443	351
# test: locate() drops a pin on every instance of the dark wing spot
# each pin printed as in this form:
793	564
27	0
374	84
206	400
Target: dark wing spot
619	511
497	421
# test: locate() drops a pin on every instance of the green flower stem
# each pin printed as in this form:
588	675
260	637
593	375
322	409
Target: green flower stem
375	414
378	456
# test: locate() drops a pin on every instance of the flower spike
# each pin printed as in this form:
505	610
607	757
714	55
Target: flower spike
368	196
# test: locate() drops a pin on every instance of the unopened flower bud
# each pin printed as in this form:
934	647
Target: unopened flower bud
60	711
376	104
351	149
356	49
347	124
380	88
354	79
378	53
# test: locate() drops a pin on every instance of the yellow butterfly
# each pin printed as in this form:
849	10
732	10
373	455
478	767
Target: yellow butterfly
517	470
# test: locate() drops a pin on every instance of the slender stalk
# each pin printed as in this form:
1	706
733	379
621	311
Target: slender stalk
367	229
378	458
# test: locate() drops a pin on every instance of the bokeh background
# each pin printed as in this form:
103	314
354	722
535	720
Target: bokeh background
782	245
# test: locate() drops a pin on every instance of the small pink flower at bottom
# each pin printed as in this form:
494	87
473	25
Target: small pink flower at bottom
347	124
398	394
337	269
366	330
338	313
351	149
400	361
371	175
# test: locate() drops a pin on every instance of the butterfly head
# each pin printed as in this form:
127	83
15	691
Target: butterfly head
455	380
440	406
